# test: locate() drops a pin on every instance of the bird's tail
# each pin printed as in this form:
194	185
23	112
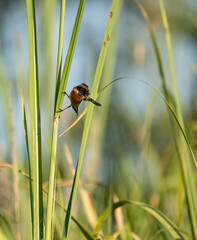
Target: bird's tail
93	101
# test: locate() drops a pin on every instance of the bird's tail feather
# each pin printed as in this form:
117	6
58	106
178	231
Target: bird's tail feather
93	101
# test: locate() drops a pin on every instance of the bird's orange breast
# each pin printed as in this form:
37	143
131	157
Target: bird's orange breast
75	98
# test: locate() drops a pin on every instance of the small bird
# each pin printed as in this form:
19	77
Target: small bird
78	94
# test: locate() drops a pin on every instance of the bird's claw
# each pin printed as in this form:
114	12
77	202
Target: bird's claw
59	111
65	93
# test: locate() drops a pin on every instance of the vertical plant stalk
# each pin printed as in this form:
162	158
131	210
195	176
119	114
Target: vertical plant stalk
187	169
96	137
66	70
35	122
95	86
60	48
50	202
60	87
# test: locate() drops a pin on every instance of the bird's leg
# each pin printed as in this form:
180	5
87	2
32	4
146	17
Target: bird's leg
65	93
61	110
75	109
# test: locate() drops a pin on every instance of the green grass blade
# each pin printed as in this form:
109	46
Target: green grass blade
86	234
156	49
89	113
167	95
28	157
186	165
50	204
83	230
51	179
60	87
183	156
60	48
174	115
165	221
169	46
35	121
66	70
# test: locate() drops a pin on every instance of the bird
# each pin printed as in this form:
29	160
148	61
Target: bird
78	94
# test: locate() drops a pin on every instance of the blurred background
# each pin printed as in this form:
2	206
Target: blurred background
130	145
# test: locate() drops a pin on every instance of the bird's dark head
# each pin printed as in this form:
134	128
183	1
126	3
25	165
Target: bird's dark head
82	90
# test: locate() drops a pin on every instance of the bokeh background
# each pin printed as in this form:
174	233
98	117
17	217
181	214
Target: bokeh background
130	145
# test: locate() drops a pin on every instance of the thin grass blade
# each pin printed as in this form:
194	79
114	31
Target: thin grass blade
165	221
60	48
182	152
156	49
28	157
35	121
89	114
50	204
83	230
66	70
185	160
60	87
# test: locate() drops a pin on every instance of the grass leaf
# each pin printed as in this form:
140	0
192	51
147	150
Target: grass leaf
60	87
83	230
165	221
35	121
28	157
185	161
90	113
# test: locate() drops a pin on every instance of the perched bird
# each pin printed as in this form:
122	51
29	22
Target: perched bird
78	94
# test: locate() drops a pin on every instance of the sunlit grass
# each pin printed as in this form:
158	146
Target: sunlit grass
123	178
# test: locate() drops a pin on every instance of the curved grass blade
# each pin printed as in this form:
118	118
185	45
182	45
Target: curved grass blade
83	230
182	152
167	103
166	222
90	113
169	107
155	90
187	168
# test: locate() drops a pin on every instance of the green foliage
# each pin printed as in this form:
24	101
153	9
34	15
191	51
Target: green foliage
95	86
135	175
36	160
